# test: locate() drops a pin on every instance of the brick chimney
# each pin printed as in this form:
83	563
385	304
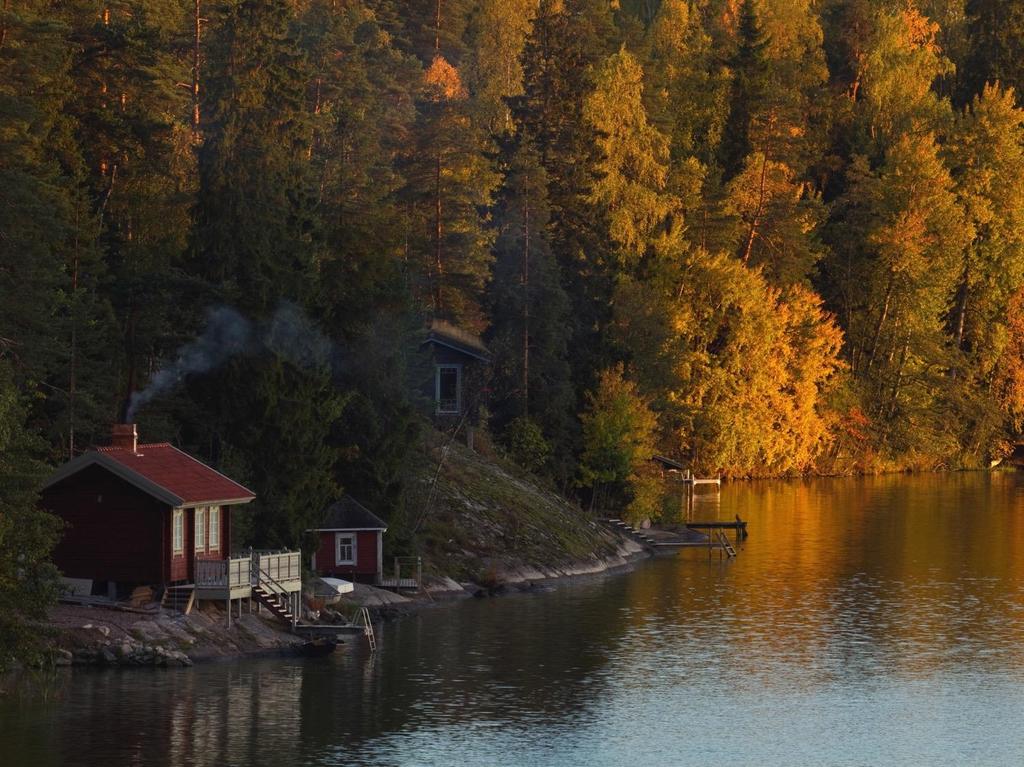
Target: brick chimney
124	436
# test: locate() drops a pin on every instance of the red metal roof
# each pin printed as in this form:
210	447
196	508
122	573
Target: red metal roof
178	473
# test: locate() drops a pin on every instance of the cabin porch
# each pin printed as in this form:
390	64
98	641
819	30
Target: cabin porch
236	577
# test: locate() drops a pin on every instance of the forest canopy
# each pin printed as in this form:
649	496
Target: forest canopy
761	237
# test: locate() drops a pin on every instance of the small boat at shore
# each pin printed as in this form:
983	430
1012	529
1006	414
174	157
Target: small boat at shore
319	647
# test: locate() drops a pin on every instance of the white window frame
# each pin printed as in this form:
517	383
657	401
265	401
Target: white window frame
178	531
352	539
200	528
213	539
458	388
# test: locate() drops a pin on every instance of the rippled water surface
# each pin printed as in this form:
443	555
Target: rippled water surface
865	622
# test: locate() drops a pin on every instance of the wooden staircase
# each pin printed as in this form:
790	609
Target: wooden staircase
276	603
180	599
637	535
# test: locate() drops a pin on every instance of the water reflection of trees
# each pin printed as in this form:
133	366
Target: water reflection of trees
209	715
853	578
514	660
840	580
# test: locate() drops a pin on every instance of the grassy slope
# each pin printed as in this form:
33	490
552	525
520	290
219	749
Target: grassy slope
486	516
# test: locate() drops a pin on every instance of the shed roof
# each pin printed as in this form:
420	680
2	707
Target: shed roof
445	334
162	471
667	462
349	514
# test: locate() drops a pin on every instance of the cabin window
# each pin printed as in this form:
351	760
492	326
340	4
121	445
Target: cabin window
448	387
215	528
345	546
178	533
200	529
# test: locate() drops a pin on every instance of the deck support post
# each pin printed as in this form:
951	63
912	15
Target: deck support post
228	601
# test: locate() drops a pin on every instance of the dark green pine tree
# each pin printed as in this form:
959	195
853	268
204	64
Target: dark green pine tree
132	124
254	227
37	215
56	317
358	137
448	187
28	581
996	47
749	90
363	299
268	414
529	313
558	61
436	28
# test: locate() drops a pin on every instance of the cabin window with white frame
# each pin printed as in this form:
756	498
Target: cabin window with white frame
448	388
215	528
201	529
345	549
178	531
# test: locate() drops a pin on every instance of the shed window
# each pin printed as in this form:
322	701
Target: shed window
448	384
345	549
178	533
215	528
201	529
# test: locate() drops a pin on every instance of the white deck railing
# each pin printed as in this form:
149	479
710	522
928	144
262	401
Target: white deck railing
225	573
283	567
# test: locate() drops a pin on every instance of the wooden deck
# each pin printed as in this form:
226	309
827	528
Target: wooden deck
235	578
223	578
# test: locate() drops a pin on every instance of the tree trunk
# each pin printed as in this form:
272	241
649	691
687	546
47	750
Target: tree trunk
73	356
197	34
438	233
755	221
526	309
3	27
961	309
131	358
898	382
881	322
437	29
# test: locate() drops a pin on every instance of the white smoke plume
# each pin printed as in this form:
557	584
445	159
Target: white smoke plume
289	334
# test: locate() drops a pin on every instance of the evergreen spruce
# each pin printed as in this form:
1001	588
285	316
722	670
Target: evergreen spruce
749	89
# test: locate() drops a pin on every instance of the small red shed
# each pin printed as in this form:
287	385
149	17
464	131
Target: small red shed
140	514
350	542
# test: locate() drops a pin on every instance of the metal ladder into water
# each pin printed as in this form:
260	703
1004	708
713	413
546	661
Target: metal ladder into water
726	546
364	617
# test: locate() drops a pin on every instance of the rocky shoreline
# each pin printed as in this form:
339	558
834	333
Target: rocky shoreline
100	636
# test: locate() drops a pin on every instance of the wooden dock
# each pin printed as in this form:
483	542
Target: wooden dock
662	543
358	624
738	525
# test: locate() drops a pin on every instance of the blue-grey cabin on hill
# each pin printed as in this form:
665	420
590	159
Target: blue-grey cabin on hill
460	363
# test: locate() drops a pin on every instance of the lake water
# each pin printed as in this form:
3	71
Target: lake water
874	621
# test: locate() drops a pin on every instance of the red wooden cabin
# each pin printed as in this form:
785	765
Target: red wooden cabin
350	542
140	514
